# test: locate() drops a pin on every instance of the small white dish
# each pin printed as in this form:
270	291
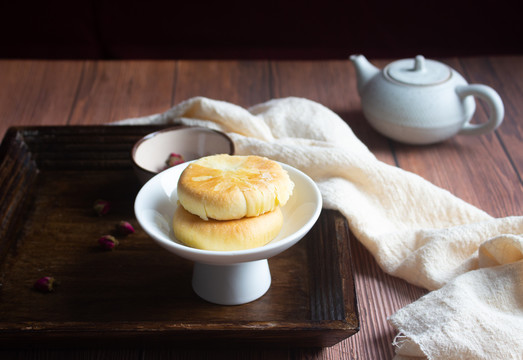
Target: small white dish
150	152
226	277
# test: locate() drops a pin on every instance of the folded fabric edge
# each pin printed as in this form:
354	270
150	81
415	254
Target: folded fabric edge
407	348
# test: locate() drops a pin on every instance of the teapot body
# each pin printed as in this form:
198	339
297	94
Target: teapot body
416	114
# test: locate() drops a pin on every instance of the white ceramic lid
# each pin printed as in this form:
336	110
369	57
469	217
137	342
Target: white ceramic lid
418	71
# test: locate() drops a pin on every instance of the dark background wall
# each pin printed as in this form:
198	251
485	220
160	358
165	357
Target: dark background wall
277	29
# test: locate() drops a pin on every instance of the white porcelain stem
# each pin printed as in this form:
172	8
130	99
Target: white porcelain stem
233	284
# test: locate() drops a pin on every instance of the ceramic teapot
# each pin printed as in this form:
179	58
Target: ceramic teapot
422	101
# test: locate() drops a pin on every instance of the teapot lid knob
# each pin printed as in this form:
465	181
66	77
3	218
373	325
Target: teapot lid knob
419	63
420	72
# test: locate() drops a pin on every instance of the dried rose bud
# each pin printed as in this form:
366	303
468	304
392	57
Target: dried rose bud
101	207
124	228
44	284
108	242
174	159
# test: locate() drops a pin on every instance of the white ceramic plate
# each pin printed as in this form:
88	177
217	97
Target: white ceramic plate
157	200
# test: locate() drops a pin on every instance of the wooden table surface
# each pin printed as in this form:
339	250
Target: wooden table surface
485	171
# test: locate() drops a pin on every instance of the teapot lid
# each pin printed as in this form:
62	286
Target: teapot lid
418	71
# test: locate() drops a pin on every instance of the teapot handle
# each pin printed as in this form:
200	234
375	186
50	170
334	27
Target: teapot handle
495	105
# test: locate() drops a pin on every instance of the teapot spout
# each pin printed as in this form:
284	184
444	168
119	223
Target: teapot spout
364	70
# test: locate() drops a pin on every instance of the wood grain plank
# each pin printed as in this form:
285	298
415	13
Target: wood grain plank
111	91
505	75
243	83
30	353
473	168
18	173
136	296
37	92
205	352
178	353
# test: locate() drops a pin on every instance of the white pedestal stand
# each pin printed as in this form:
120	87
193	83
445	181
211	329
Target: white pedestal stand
232	284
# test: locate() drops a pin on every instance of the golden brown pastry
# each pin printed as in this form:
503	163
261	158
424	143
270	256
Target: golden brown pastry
227	187
228	235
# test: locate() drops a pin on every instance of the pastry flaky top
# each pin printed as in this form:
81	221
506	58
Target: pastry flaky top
227	187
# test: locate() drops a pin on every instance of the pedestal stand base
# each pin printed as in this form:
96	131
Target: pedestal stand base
233	284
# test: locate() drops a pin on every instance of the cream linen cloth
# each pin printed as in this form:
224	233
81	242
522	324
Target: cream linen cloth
415	230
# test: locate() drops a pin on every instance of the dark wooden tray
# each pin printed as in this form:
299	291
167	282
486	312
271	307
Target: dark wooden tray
139	293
